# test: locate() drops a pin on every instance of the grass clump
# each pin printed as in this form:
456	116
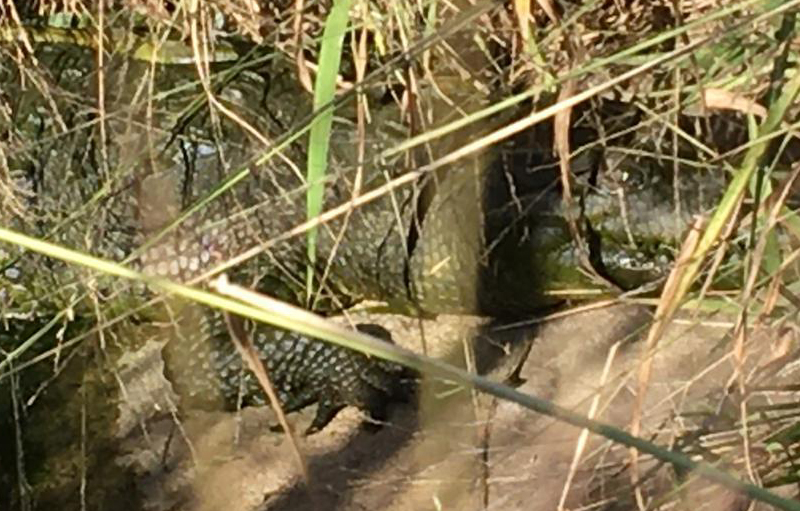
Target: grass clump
127	126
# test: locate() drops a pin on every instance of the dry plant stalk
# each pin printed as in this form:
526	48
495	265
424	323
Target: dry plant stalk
249	355
666	308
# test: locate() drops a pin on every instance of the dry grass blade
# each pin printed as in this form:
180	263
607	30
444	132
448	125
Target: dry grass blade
523	11
561	128
666	307
581	444
714	98
244	346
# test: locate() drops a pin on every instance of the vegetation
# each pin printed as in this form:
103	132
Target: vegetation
665	101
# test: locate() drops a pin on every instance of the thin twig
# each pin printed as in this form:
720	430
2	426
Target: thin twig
247	351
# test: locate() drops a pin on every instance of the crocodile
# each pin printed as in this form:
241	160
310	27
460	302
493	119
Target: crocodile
487	237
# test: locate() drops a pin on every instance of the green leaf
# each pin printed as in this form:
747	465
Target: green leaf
330	55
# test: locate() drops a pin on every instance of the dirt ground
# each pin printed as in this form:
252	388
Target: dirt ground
457	450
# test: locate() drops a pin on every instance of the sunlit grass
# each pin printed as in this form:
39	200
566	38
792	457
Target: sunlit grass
725	58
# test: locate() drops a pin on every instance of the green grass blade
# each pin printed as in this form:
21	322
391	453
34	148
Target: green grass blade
330	55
